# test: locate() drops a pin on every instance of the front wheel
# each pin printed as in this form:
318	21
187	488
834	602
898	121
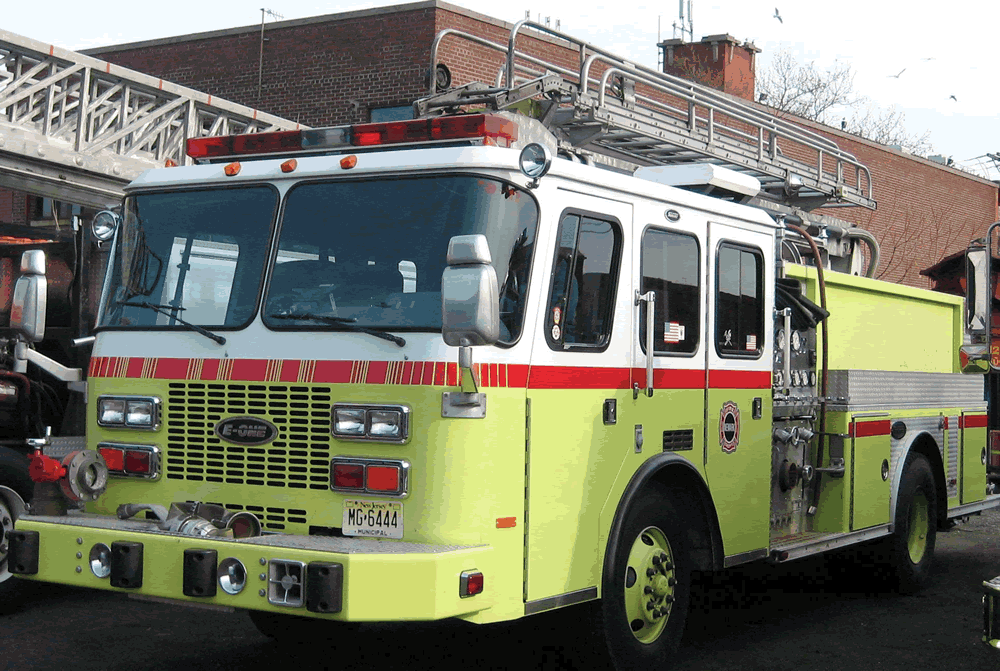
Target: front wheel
912	544
647	585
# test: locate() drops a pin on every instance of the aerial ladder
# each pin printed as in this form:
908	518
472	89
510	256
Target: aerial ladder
78	129
635	116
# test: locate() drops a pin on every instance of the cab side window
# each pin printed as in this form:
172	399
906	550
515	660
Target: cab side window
584	280
670	269
739	306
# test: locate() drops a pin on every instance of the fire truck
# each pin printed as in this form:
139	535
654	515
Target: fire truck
483	364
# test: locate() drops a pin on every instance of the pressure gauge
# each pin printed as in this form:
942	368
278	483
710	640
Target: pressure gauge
796	341
779	341
779	379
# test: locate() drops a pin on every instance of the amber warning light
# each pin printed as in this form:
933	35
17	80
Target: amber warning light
491	129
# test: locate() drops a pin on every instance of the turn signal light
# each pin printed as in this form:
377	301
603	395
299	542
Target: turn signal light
373	476
141	461
349	476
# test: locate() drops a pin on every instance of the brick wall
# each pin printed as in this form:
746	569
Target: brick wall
14	207
335	69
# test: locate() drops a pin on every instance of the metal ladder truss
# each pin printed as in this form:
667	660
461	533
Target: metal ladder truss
78	129
614	107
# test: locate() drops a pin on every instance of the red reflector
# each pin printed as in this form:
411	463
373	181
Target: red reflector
348	162
290	165
233	169
501	130
115	459
383	478
471	584
170	163
137	461
506	522
350	476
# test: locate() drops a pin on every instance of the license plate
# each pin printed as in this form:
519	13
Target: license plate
376	519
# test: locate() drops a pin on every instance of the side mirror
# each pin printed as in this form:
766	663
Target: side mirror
977	299
470	299
27	312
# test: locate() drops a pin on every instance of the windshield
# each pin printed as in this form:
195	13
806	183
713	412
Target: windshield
369	254
195	255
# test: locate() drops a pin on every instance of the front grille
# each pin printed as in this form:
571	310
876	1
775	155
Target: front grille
271	518
298	458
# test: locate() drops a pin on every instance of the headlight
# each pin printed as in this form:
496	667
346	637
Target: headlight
383	423
348	422
129	412
111	412
139	413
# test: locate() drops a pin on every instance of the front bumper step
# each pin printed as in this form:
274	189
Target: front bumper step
341	578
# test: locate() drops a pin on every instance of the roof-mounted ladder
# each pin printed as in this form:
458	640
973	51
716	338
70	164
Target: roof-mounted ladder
629	112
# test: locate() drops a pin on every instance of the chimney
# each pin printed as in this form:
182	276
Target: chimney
719	61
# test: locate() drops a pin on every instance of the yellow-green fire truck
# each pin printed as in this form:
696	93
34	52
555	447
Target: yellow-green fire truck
481	366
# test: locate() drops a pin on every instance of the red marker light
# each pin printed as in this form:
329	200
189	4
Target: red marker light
290	165
233	169
348	162
470	583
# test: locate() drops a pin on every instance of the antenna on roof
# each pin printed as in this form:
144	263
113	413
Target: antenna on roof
685	28
264	12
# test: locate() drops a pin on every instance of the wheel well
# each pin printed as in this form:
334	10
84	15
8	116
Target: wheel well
689	492
925	445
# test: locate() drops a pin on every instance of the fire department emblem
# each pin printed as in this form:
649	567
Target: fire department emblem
729	427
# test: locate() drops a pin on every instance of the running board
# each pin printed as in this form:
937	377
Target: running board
796	546
974	508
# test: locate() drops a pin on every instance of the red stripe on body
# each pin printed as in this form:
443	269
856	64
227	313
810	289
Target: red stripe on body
868	429
739	379
972	421
289	371
578	377
333	372
171	369
377	372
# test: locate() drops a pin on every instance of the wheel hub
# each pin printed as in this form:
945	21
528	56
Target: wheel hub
916	541
649	584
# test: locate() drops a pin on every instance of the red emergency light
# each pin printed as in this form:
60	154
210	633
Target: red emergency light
492	129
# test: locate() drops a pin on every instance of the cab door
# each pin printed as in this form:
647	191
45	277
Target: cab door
738	395
668	258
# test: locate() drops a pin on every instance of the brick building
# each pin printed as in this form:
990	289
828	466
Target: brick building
370	65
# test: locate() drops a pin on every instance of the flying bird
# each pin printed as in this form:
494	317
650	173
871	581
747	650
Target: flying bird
953	98
897	76
778	16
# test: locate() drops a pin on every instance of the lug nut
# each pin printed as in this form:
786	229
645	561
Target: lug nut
649	605
657	560
647	590
650	572
668	599
671	582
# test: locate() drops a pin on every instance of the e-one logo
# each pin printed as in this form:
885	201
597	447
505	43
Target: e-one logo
729	427
246	430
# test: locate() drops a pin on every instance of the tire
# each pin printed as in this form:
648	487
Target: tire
296	630
911	547
14	473
647	584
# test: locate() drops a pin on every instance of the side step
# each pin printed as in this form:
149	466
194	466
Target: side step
797	546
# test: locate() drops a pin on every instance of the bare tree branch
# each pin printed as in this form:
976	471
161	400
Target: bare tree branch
806	91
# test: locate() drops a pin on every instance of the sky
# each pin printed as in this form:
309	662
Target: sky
945	52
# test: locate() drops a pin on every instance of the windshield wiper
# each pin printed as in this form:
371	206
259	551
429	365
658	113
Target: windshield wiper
342	321
163	310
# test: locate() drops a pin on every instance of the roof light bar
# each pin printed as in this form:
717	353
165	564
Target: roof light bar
491	128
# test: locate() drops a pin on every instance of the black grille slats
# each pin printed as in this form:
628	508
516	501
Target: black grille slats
298	458
674	441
